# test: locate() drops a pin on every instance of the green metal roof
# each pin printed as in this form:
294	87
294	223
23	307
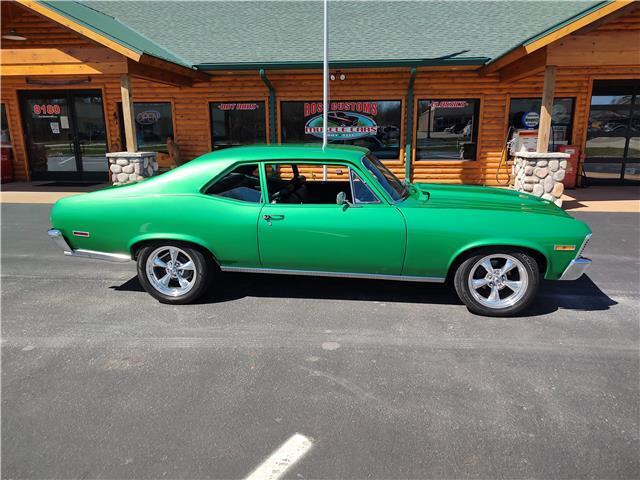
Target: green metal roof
279	34
113	29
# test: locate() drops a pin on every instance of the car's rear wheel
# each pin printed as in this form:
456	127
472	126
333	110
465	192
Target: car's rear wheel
174	273
497	283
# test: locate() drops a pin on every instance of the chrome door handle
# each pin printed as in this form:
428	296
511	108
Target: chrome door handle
273	217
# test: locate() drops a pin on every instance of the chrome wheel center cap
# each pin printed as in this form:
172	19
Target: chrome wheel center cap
172	269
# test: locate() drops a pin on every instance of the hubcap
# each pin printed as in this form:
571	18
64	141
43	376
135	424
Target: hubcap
498	281
171	271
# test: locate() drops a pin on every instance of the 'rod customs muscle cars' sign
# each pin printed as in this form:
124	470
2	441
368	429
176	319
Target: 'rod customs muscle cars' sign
374	124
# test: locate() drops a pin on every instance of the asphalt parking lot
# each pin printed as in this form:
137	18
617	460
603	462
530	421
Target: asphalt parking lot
385	380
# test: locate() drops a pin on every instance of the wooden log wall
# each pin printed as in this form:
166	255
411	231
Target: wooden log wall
191	117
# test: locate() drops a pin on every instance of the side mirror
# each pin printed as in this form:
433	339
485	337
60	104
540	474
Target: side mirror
341	199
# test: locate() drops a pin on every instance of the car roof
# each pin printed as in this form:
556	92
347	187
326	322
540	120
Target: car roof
275	152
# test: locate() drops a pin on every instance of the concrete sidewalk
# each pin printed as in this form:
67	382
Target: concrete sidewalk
593	199
602	199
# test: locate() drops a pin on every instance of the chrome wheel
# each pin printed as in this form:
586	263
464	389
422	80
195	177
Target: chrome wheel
498	281
171	271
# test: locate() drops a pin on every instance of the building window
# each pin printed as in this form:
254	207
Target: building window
154	123
524	113
447	129
235	123
373	124
613	132
6	137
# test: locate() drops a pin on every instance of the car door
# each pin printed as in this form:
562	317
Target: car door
367	235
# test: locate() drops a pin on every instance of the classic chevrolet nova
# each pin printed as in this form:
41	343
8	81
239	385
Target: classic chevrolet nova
336	212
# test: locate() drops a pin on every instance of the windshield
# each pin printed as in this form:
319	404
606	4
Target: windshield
386	179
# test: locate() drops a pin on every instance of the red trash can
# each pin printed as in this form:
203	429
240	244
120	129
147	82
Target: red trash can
571	175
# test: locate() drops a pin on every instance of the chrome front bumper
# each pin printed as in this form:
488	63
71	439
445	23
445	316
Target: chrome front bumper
58	239
576	268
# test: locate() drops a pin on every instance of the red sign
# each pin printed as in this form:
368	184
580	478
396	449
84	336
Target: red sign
237	106
370	108
48	109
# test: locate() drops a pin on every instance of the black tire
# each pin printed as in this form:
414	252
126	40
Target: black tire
524	263
203	272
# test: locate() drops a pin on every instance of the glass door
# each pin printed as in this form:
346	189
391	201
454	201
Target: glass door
91	137
613	133
65	135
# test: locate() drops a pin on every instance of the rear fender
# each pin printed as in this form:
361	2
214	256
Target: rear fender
178	237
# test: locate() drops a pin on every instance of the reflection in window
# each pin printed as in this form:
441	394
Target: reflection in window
361	191
613	131
447	129
524	113
634	147
373	124
154	124
6	138
632	171
237	123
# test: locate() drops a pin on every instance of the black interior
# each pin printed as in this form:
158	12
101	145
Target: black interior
243	183
299	190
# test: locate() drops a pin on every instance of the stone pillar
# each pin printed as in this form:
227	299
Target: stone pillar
131	167
540	174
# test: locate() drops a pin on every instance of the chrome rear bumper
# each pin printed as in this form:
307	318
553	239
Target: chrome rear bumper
576	268
58	239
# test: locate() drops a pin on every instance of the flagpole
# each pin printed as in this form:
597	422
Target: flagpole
325	85
325	76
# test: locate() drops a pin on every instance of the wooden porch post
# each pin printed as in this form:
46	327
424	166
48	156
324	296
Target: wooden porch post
127	113
544	128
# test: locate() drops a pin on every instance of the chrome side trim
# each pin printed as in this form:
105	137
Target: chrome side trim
58	239
109	257
317	273
576	268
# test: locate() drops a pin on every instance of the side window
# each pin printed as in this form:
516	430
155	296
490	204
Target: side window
361	191
242	183
307	183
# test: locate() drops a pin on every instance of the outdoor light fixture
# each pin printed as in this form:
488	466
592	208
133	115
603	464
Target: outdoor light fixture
13	35
338	75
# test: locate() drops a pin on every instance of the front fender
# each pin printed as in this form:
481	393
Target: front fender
503	242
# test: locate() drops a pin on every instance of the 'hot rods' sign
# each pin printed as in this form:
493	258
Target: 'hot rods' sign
346	120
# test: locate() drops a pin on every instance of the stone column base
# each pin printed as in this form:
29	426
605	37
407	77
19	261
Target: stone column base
131	167
540	174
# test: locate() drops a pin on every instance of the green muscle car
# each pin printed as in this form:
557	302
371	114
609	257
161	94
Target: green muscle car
337	212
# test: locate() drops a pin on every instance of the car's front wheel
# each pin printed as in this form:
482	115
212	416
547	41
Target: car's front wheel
174	273
497	283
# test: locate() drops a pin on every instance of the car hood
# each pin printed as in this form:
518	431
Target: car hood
482	198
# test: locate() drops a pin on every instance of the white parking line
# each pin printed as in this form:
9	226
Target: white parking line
282	459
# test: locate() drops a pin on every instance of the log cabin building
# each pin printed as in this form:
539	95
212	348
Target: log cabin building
435	89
